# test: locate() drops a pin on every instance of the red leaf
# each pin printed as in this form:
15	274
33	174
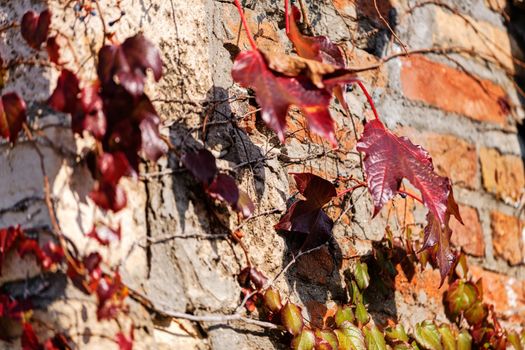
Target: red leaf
126	64
58	342
35	27
153	145
113	166
111	294
201	165
276	93
319	48
65	96
29	339
389	159
8	237
12	116
12	308
47	257
105	235
109	197
224	189
53	50
85	274
306	216
124	342
244	205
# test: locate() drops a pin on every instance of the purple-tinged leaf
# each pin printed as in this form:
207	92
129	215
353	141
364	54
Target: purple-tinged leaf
35	27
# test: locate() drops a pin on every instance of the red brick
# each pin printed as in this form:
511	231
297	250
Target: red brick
452	156
451	90
316	267
469	236
506	294
503	175
506	237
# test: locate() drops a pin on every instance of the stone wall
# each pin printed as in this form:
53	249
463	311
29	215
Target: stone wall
463	106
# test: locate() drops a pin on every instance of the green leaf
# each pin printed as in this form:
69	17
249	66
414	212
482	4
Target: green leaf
292	318
272	300
350	337
476	313
361	314
397	333
374	339
304	341
343	314
329	336
464	340
460	296
462	267
356	293
361	275
427	335
514	340
447	337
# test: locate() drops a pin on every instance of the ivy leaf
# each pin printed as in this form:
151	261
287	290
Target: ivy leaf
113	166
428	336
53	50
108	196
464	341
292	318
224	189
152	145
86	273
344	314
319	48
374	339
272	300
244	205
304	341
29	339
276	93
105	235
12	116
306	217
8	237
326	339
389	159
350	337
126	64
201	165
124	342
48	256
35	27
111	293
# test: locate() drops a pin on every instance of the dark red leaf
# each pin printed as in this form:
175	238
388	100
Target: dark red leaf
126	64
109	197
85	274
201	165
153	145
244	205
89	113
314	188
306	216
389	159
35	27
275	93
8	236
12	116
113	166
124	342
251	274
224	188
12	308
318	48
53	50
58	342
66	94
29	339
105	235
111	294
47	257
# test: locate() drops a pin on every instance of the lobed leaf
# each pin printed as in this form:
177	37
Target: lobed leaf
35	27
12	116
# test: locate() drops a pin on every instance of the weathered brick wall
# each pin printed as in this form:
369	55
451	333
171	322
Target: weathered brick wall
463	107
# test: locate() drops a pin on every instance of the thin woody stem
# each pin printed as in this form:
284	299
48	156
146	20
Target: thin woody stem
245	25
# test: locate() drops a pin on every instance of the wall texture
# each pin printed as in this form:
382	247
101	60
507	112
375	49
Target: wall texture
463	106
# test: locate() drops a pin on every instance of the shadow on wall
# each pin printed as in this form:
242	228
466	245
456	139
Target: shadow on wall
374	34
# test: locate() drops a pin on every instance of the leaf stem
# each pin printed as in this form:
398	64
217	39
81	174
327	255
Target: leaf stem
411	195
245	25
287	16
351	189
369	98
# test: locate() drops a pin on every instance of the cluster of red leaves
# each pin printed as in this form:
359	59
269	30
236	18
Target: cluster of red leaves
202	165
306	218
86	274
117	113
12	238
